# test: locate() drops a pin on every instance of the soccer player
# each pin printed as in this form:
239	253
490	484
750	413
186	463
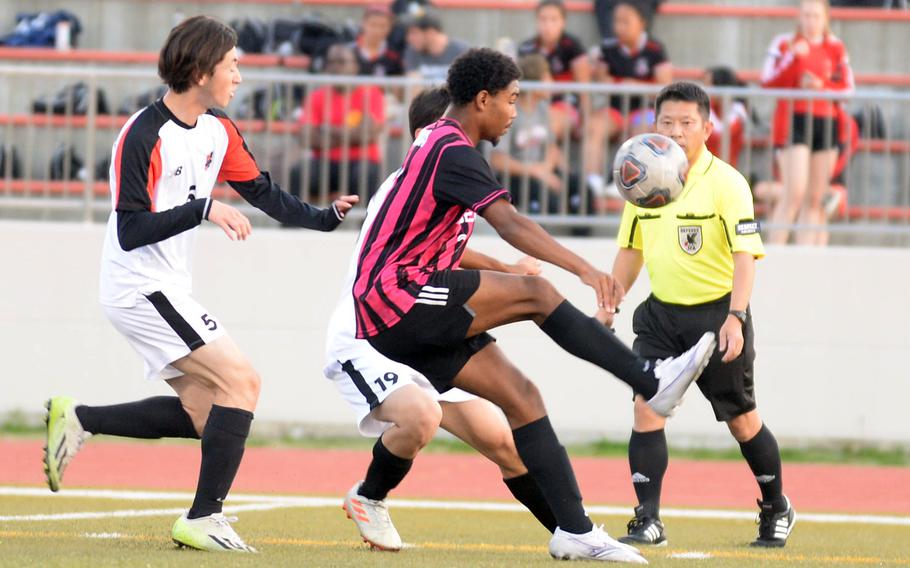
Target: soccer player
414	307
399	406
700	252
165	162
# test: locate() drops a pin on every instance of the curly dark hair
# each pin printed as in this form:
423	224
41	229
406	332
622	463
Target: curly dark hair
480	69
192	50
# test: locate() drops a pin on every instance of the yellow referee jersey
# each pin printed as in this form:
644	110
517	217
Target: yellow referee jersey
688	245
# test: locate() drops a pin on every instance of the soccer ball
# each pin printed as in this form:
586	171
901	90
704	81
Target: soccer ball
650	170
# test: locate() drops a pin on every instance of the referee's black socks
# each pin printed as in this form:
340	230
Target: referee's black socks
384	473
525	489
549	464
156	417
223	440
588	339
763	456
648	457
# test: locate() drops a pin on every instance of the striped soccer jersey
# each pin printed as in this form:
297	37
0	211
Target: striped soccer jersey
423	225
161	178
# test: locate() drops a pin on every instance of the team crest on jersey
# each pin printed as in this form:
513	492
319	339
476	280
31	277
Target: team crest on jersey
690	239
641	67
208	159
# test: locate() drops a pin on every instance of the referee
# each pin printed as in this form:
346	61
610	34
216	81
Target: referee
700	252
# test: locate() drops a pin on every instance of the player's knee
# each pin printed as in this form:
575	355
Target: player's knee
244	385
541	294
500	447
422	422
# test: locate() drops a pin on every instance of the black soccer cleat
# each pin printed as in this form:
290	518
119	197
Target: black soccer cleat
774	526
644	530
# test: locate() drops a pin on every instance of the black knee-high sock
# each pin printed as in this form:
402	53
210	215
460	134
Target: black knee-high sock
156	417
384	474
763	456
528	493
223	439
648	464
548	462
588	339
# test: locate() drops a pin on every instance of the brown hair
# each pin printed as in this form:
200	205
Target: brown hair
554	3
827	6
192	50
533	66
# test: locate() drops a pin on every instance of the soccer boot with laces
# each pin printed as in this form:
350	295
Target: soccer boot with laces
373	520
774	526
213	533
594	545
644	530
65	437
677	373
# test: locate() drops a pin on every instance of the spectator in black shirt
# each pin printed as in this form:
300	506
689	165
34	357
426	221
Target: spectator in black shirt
374	54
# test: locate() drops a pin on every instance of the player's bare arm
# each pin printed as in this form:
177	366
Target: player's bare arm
526	266
530	238
626	267
730	340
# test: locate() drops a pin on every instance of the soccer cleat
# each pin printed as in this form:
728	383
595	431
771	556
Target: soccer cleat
774	527
594	545
65	437
372	520
644	530
677	373
212	533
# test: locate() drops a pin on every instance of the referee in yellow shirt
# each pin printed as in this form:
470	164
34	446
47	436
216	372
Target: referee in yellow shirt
700	252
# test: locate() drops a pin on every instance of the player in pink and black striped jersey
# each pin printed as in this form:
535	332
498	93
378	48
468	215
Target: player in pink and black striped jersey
415	306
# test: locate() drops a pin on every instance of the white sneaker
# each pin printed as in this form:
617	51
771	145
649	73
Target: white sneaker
213	533
594	545
65	437
372	520
677	373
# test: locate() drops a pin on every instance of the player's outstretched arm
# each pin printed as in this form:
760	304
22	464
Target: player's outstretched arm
140	227
280	205
472	259
530	238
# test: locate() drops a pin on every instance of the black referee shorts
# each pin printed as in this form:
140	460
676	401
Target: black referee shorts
666	330
431	337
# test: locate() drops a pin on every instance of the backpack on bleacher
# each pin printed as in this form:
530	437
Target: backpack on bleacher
252	34
870	121
272	103
73	97
63	155
15	164
40	29
132	104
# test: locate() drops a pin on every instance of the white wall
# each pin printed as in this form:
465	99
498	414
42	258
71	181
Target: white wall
831	329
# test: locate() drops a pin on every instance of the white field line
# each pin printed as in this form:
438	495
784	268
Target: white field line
266	502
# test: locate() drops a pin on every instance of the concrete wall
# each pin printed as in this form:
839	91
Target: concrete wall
831	333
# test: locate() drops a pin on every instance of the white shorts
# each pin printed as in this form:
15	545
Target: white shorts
367	379
163	328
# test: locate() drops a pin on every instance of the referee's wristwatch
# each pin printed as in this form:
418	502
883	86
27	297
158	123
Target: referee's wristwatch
741	315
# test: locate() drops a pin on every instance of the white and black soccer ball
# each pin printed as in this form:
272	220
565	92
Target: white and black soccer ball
650	170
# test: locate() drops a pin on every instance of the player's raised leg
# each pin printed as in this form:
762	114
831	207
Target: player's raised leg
490	375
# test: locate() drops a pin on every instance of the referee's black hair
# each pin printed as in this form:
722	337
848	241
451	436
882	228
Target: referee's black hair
480	69
428	107
686	92
192	50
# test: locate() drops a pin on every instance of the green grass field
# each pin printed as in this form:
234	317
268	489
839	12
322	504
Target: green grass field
322	536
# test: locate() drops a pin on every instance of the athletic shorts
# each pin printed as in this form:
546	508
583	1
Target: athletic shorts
825	133
667	330
431	337
368	378
163	328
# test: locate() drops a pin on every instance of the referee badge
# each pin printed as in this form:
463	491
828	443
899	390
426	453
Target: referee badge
690	238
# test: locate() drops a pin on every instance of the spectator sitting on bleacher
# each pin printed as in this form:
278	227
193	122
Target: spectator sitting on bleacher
730	121
805	132
567	59
335	114
374	55
527	155
603	11
630	58
430	50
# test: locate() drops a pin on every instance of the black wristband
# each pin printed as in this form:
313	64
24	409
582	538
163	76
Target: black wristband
742	316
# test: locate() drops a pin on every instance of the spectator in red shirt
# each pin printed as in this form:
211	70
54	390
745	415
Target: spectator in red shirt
730	122
344	127
805	132
374	54
567	59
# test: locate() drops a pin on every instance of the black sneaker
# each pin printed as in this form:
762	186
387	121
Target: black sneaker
774	526
644	530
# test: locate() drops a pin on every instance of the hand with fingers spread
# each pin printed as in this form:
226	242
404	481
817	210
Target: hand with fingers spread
730	339
604	286
234	223
344	203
